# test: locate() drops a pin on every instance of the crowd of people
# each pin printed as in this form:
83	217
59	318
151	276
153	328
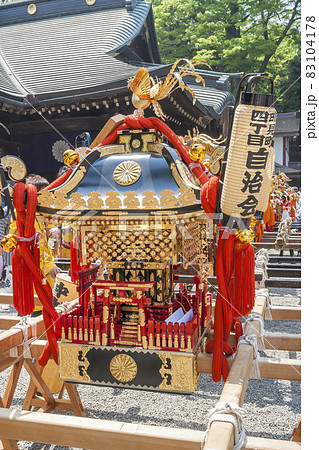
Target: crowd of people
284	202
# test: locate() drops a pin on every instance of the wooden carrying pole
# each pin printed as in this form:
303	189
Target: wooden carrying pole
98	434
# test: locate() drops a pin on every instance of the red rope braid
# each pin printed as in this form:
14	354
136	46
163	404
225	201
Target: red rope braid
244	279
132	122
24	274
59	181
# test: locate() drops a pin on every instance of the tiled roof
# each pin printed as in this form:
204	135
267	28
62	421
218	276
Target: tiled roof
67	52
213	98
68	49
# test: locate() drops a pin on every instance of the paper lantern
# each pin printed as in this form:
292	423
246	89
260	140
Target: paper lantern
246	183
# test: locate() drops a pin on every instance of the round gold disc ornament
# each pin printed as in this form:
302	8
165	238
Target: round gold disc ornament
127	173
123	368
32	9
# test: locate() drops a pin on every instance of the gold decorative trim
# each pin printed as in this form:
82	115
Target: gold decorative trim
178	372
75	179
113	200
17	169
114	248
186	176
176	175
111	150
123	368
155	147
73	362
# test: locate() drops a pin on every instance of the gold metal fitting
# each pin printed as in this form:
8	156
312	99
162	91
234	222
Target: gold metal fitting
197	153
9	242
245	236
70	157
253	222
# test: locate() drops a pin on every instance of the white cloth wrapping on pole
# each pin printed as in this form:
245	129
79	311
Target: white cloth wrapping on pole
251	339
253	316
265	293
23	325
231	413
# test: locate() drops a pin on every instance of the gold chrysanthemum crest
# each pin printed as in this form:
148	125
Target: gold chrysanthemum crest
127	173
123	368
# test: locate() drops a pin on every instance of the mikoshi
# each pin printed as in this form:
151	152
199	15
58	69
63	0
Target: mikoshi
147	208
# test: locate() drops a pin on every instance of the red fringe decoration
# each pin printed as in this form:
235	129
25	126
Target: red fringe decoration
26	270
208	195
23	299
236	293
244	280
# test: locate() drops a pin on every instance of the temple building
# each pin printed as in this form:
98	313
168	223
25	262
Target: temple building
64	66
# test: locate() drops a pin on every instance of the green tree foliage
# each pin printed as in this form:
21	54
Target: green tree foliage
231	35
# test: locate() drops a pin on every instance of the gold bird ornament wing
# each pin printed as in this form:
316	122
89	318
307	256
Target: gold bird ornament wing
140	85
147	91
174	78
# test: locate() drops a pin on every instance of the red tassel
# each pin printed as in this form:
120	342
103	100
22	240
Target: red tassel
23	298
25	269
244	279
235	298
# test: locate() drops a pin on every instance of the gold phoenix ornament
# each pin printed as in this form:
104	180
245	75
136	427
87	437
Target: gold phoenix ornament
147	91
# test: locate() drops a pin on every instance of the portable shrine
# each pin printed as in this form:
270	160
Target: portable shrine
138	217
141	212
